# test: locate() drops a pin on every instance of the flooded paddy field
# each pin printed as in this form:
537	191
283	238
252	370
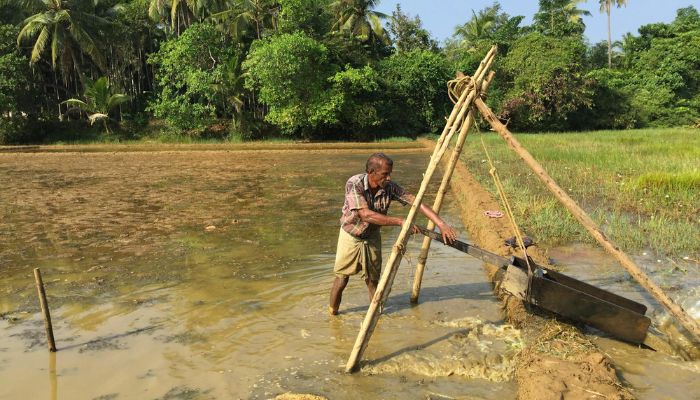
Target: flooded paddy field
206	275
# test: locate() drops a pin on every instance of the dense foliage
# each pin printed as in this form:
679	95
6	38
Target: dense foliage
190	81
554	87
326	69
14	79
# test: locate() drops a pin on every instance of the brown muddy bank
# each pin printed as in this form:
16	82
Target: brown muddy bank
558	360
239	147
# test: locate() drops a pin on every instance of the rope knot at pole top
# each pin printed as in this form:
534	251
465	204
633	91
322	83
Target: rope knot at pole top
457	86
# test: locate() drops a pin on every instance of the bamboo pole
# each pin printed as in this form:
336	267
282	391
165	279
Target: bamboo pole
44	309
387	278
437	204
688	322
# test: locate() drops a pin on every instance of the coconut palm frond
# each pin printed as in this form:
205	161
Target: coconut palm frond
40	45
32	25
574	13
379	31
116	100
87	44
175	4
76	102
97	117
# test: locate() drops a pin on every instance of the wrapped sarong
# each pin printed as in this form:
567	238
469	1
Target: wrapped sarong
356	255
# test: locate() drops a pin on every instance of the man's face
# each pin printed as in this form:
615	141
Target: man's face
381	175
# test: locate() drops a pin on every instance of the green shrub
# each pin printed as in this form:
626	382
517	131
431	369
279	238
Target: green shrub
190	75
416	91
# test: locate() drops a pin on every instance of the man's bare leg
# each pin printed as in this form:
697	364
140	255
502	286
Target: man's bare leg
337	294
371	287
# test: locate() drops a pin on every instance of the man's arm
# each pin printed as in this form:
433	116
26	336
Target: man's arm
376	218
448	234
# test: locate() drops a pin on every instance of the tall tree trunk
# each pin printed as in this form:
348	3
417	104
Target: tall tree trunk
551	22
607	5
58	98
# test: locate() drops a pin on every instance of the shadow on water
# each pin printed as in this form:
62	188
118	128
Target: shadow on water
96	343
399	302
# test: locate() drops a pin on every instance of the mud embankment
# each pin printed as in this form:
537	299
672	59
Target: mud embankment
558	361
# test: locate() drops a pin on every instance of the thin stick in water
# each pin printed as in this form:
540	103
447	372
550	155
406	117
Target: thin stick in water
44	309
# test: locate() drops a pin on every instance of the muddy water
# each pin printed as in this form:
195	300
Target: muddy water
652	375
205	275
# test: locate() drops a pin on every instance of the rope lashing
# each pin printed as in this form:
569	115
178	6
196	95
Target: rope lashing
457	86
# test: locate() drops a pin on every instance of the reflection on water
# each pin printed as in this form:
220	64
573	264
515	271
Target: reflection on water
205	275
53	381
653	375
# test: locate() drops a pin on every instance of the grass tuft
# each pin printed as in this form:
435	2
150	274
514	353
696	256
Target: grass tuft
688	180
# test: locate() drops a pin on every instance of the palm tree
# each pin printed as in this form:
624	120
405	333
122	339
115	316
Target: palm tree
478	27
179	14
99	101
554	15
245	15
69	29
573	13
358	18
605	6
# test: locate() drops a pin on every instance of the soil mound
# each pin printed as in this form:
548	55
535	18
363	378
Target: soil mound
558	361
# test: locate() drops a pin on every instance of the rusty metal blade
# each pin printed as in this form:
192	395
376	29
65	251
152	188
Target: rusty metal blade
585	287
581	306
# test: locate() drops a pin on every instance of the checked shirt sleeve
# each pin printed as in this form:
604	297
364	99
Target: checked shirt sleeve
354	195
397	193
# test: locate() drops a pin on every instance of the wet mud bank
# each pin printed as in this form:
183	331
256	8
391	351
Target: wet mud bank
558	361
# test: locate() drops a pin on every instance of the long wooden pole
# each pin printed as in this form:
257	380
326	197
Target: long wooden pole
44	309
689	323
387	278
437	204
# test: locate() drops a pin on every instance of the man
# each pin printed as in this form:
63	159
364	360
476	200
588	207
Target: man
367	200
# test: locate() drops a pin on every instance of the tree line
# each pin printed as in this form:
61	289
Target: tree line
325	69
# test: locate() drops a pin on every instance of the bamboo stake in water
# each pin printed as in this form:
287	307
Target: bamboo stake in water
437	204
637	273
44	309
387	278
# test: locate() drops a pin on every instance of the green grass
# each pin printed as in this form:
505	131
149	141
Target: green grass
641	186
395	139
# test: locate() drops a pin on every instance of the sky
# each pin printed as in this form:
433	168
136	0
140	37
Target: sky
440	17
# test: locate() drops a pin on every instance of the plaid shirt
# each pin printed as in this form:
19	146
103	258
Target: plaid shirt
358	195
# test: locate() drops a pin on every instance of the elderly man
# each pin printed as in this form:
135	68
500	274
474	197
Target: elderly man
367	200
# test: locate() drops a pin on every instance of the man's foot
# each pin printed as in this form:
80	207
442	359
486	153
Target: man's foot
331	311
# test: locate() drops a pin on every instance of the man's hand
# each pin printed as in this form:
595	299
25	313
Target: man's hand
448	234
414	229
